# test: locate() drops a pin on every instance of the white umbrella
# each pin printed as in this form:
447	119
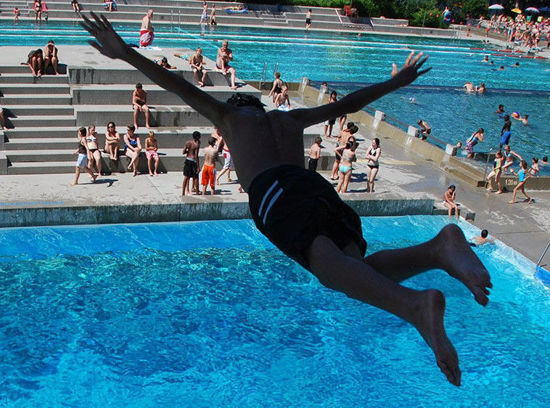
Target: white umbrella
532	9
496	7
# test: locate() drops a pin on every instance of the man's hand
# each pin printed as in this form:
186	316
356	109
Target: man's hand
410	70
108	41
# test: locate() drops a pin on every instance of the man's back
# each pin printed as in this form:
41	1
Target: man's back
259	140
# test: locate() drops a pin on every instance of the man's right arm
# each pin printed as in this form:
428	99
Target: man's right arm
111	45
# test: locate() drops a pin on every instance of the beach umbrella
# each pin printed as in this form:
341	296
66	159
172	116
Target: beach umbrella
516	10
496	7
532	9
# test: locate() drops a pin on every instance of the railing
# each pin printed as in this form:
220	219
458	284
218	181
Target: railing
543	253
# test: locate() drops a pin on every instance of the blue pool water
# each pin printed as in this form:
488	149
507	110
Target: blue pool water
209	314
319	56
455	115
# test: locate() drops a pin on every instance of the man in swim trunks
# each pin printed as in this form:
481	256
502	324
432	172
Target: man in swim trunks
301	213
506	131
209	166
139	104
222	62
197	64
425	129
191	165
147	32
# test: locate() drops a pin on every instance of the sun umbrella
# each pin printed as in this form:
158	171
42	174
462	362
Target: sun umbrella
532	9
496	7
516	10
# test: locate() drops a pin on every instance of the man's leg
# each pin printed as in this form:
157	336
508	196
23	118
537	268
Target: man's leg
358	280
448	250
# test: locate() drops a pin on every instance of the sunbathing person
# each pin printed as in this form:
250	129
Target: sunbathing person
3	119
35	61
197	64
163	62
112	141
50	57
132	148
301	213
139	103
225	55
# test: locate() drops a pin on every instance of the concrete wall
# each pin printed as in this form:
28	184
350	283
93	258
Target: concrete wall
212	209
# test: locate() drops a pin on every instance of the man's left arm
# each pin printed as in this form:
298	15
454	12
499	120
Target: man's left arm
359	99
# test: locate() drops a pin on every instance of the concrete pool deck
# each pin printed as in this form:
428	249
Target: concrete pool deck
407	184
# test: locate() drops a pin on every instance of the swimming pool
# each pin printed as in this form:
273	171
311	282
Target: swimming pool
455	115
209	314
319	56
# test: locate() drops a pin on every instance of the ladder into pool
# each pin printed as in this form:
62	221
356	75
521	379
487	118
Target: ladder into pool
540	272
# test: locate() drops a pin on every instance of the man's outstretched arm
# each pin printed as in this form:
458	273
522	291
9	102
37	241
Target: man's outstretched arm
109	43
359	99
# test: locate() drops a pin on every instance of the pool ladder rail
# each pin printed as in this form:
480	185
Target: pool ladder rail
540	272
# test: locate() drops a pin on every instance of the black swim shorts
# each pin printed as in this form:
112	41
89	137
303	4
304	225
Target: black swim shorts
190	168
312	164
291	206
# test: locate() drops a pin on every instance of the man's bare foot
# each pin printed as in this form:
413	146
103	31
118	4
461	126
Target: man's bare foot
136	126
148	126
156	174
455	256
4	128
511	202
151	174
229	180
499	192
74	184
429	323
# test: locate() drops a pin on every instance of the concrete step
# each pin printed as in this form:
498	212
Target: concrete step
23	69
470	176
28	78
35	155
38	88
44	121
30	110
162	115
122	94
59	143
42	168
22	99
170	160
59	140
70	132
88	76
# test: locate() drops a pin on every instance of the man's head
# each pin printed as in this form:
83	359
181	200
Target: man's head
82	131
225	44
197	135
240	100
130	128
452	187
139	86
500	107
199	51
506	117
150	13
51	42
484	233
212	141
545	159
507	148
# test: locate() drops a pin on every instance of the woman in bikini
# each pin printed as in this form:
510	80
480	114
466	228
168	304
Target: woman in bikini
94	155
112	141
494	175
347	157
473	140
151	152
132	148
343	138
373	156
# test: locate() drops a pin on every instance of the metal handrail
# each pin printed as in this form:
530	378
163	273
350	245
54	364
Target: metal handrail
264	72
543	253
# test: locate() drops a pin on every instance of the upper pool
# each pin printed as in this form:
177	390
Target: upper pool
319	56
210	314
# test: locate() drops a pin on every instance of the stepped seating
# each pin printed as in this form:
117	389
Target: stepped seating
175	13
44	114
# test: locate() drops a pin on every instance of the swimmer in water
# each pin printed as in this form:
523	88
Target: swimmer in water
482	239
412	99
